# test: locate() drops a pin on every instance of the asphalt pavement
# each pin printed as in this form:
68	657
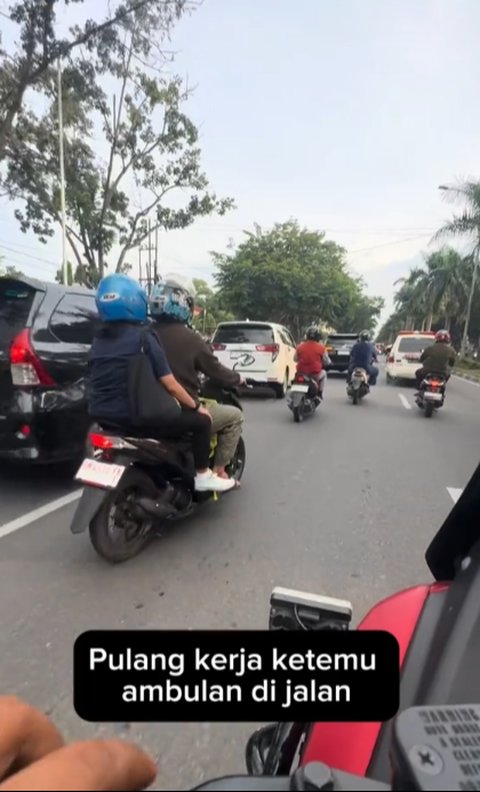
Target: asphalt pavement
343	504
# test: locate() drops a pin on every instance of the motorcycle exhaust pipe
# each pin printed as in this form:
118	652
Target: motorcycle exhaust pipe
161	507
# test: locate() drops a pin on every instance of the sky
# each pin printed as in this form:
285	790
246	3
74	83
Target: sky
343	114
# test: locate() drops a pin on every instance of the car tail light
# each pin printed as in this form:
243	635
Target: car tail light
391	359
219	347
274	349
26	367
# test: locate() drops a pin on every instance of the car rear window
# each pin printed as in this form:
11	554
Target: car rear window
244	334
337	342
74	319
16	300
415	344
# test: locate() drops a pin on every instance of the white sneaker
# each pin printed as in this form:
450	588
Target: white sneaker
210	482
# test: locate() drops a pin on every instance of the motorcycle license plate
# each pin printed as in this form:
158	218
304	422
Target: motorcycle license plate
100	474
299	388
433	397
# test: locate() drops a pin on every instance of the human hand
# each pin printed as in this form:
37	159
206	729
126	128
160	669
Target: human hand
33	756
203	411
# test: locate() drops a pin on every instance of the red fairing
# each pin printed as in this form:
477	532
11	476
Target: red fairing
349	746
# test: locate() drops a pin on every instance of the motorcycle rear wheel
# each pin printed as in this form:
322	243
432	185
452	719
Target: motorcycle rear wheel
428	410
236	467
355	397
116	534
298	413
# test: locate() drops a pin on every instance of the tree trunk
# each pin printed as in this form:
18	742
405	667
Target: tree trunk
429	322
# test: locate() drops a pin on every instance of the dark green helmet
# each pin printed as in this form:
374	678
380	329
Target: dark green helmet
364	335
313	333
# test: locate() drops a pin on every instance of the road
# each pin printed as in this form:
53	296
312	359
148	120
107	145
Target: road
343	504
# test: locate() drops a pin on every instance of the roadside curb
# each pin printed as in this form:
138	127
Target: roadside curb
461	375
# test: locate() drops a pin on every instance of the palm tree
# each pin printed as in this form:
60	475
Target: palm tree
413	299
465	224
449	274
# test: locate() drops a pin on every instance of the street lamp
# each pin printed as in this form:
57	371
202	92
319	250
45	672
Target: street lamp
472	288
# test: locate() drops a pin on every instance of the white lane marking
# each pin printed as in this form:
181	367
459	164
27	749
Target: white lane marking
37	514
404	401
455	493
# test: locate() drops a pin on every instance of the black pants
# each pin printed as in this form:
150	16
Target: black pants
200	427
188	422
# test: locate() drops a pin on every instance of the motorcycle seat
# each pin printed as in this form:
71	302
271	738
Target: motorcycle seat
182	442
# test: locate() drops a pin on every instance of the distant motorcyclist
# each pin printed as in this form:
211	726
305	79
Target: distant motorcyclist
311	357
438	358
171	307
363	355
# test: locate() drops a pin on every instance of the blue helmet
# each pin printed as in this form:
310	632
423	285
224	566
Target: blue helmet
173	297
121	299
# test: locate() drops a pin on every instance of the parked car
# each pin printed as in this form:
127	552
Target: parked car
339	346
263	352
404	357
46	331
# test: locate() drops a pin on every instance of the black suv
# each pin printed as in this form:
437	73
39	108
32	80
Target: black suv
339	346
46	331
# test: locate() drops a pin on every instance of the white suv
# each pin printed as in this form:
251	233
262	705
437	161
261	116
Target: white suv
404	357
260	351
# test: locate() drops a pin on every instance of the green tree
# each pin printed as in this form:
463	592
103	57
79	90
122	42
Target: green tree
28	63
211	304
7	271
293	276
149	150
467	223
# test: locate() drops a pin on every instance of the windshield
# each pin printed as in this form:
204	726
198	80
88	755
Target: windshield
244	334
415	344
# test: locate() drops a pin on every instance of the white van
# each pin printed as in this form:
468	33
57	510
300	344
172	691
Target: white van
404	357
260	351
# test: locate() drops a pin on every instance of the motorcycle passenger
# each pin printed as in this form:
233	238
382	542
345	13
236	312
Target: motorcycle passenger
438	358
122	308
171	307
311	357
362	355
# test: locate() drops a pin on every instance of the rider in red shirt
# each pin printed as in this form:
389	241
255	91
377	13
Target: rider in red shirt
311	357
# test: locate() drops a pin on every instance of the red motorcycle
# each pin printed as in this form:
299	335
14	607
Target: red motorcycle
437	626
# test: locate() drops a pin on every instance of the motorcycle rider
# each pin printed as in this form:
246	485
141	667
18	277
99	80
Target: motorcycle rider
438	358
122	307
362	355
171	307
311	357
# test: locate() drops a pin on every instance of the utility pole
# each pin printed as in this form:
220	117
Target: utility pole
62	174
147	280
156	256
149	254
